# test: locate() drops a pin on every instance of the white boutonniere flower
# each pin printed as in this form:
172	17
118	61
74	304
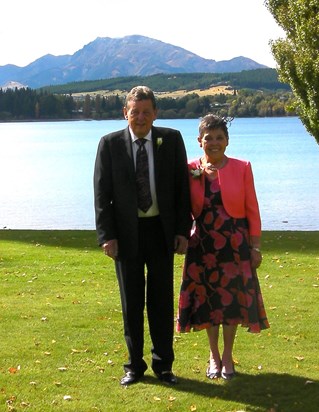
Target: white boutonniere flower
159	141
196	173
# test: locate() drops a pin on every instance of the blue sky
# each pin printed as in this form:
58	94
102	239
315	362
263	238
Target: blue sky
218	30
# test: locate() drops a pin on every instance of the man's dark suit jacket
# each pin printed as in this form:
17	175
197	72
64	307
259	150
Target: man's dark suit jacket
115	188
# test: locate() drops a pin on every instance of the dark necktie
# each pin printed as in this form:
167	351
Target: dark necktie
144	198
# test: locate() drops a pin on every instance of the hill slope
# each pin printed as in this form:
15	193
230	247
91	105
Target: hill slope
107	57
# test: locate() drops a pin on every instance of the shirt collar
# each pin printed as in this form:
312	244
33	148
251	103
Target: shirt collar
147	137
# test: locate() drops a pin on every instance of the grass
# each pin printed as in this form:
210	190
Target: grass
62	349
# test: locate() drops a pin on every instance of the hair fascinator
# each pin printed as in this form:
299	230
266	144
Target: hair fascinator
227	120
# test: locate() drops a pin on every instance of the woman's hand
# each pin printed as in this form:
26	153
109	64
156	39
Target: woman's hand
255	257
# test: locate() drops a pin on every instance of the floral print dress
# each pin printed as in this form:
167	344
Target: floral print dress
218	284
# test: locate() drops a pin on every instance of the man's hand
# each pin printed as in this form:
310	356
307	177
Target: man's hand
110	248
180	244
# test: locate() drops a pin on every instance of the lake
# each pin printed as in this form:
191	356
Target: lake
46	170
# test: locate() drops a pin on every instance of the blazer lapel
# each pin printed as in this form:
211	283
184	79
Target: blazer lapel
197	188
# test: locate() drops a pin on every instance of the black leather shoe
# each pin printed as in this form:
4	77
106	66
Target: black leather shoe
167	377
129	378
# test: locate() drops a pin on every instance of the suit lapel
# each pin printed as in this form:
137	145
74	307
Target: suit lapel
156	151
128	158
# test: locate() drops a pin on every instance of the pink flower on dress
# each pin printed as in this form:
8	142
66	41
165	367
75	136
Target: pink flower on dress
230	269
208	220
226	297
214	276
200	296
244	299
236	239
219	239
216	316
194	272
222	213
184	300
209	260
218	223
245	268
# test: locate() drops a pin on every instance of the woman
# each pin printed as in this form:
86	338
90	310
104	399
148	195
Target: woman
220	284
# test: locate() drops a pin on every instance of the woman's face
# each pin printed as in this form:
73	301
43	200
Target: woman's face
214	143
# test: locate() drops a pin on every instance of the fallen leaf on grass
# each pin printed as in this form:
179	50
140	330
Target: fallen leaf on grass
14	370
172	398
299	358
156	398
25	404
308	382
63	369
67	397
79	351
193	408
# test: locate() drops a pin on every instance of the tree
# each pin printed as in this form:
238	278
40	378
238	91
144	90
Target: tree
87	106
297	55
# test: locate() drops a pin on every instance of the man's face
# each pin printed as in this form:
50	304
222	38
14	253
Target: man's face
140	115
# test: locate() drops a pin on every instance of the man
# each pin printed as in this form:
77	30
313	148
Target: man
137	165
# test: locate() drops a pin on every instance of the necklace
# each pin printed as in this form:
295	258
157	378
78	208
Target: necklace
211	167
214	168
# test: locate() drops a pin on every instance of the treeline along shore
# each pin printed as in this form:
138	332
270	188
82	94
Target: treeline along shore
254	93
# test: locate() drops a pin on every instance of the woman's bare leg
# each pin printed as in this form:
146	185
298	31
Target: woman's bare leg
214	359
229	333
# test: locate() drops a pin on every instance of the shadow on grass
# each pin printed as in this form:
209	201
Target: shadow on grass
283	392
75	239
280	241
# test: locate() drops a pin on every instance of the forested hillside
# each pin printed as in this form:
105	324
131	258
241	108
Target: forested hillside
256	93
260	79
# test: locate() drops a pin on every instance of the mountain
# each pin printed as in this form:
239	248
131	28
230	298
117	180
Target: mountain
118	57
12	85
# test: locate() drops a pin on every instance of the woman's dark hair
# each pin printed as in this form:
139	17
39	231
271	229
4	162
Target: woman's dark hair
211	122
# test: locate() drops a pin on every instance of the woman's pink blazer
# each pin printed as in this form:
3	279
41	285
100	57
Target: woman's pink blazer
237	190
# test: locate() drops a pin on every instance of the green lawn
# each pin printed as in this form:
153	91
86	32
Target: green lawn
62	345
